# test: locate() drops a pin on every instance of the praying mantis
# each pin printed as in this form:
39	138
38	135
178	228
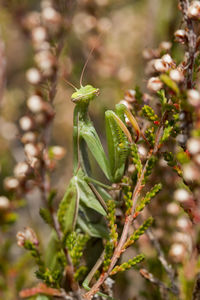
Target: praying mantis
85	136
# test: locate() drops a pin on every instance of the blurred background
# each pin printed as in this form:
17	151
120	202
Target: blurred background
119	31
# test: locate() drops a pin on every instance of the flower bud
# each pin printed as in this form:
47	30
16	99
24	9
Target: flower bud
197	159
148	54
35	103
154	84
52	17
31	20
29	137
183	223
176	75
173	208
177	252
33	76
57	152
160	65
190	172
193	145
180	36
193	97
182	195
45	61
31	150
28	235
165	45
26	123
130	96
39	34
21	170
194	10
168	59
4	203
11	183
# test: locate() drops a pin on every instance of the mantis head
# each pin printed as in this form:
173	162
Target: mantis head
85	94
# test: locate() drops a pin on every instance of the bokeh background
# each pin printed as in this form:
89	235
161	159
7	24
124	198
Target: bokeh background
119	30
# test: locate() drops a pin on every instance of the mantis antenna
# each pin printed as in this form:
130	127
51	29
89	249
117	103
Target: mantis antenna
68	82
85	65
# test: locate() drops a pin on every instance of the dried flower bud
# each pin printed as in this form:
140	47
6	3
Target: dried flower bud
33	76
35	103
57	152
160	65
4	203
176	75
21	170
165	45
183	223
197	159
193	145
177	252
148	54
168	59
45	61
39	34
31	150
173	208
51	16
29	137
11	183
127	104
182	195
130	96
31	20
190	172
180	36
28	235
154	84
194	10
26	123
193	97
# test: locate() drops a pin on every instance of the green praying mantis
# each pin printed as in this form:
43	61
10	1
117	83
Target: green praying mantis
81	193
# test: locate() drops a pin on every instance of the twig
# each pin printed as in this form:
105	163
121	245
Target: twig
192	40
162	287
168	268
196	291
128	221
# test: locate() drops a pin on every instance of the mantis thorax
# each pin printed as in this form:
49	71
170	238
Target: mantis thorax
85	94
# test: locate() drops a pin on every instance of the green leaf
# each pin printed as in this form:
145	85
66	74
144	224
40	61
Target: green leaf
128	265
152	193
42	297
170	83
149	113
89	134
86	194
67	210
46	216
136	159
166	134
